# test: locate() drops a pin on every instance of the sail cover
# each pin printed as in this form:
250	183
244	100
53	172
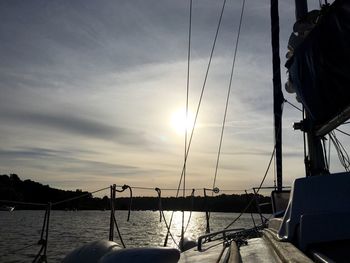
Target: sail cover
319	69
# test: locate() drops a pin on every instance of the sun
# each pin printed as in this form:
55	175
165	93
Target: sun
180	123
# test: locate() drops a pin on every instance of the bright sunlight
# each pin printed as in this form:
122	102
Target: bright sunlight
180	123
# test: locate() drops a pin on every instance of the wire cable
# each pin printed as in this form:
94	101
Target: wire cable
343	132
203	87
228	93
342	153
291	104
81	196
258	189
199	104
192	204
186	120
22	203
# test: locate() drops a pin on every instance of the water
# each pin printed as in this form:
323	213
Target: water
71	229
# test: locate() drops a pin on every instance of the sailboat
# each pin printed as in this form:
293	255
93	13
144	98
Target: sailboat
311	220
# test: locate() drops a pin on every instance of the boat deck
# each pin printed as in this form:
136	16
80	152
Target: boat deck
266	249
258	250
211	254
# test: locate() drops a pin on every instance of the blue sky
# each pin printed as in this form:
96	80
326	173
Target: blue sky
88	89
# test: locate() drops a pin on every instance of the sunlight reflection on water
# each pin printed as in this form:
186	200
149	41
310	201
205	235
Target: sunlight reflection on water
70	229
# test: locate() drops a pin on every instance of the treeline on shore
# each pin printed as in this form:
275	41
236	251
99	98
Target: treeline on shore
12	188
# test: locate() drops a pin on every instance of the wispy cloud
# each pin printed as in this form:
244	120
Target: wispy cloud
88	88
76	125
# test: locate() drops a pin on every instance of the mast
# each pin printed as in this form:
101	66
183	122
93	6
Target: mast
277	90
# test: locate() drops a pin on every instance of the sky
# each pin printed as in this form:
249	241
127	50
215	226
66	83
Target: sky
89	90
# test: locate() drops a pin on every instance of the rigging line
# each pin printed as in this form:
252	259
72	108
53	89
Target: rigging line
258	189
304	143
187	94
117	227
81	196
348	134
186	120
47	229
291	104
342	153
343	132
162	215
168	227
329	151
22	203
261	183
174	189
228	93
323	140
203	87
192	201
228	190
200	99
251	213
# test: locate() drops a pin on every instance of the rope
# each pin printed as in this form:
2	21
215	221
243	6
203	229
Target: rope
47	230
306	162
113	220
329	152
258	189
175	189
124	187
343	132
111	204
116	225
342	154
130	204
323	140
207	215
43	242
38	255
261	183
159	203
81	196
189	218
228	93
291	104
161	214
187	97
22	203
168	228
198	106
203	88
251	214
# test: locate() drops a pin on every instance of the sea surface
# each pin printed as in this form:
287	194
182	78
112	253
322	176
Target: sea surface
71	229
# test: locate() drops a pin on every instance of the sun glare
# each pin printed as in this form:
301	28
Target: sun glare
180	123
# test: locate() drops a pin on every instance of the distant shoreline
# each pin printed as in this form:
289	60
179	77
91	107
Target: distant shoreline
31	195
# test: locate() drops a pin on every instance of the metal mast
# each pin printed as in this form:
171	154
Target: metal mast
277	90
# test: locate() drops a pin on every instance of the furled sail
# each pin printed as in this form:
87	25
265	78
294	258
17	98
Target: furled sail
319	64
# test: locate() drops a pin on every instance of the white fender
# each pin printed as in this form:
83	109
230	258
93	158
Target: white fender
91	252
